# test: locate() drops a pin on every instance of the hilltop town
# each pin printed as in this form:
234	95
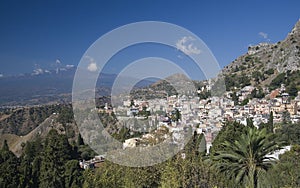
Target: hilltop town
207	115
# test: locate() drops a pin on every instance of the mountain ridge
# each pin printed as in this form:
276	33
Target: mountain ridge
49	87
263	62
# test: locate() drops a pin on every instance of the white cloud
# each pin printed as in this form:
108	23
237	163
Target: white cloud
38	71
263	35
1	75
186	46
92	67
92	64
70	66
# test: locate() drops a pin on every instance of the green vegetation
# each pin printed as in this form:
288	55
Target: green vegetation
238	81
188	171
23	120
269	71
286	173
289	133
176	116
245	102
52	162
8	168
235	98
276	82
145	113
248	58
292	89
257	93
269	126
65	115
229	132
203	94
237	159
291	80
244	160
258	76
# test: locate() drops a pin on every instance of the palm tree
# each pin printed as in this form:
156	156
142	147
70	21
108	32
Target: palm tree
246	158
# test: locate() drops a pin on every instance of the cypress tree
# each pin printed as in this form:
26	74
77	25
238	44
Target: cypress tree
270	123
80	140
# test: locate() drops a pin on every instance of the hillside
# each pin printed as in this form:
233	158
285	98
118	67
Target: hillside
15	142
265	61
20	121
166	87
27	124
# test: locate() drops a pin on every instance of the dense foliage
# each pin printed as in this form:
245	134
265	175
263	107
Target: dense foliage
291	79
245	160
237	159
49	163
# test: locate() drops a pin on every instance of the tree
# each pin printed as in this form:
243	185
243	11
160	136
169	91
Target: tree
5	146
202	145
235	98
229	132
244	80
186	172
244	102
289	133
56	153
270	123
229	81
257	76
146	177
257	93
269	126
286	173
26	175
36	171
245	159
109	175
191	170
132	103
276	82
292	89
8	168
66	115
269	71
192	148
249	122
170	175
80	140
176	116
286	117
73	174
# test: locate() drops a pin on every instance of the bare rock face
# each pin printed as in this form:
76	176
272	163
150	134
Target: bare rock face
258	48
280	57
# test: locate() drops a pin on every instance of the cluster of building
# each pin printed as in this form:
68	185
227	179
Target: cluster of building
171	117
207	115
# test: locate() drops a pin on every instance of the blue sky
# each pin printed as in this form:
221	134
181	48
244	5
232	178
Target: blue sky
39	32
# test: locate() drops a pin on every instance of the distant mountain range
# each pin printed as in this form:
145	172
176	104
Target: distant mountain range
258	67
42	87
